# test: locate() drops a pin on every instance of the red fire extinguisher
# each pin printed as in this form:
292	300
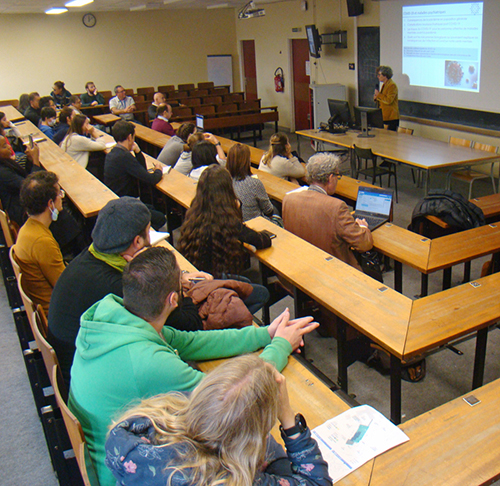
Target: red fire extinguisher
279	81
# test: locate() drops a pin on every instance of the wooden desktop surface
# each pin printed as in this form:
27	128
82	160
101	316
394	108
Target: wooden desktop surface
453	445
106	119
416	151
86	192
11	113
383	316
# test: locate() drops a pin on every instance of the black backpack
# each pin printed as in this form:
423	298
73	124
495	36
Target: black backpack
449	206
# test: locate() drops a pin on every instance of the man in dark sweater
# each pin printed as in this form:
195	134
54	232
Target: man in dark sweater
121	231
32	113
123	171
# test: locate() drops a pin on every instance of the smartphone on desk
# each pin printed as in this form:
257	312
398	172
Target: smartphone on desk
31	143
268	233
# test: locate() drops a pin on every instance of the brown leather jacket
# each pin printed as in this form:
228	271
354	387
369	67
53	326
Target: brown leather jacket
387	100
220	305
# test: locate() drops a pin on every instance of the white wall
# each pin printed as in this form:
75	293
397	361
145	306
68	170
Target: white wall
147	48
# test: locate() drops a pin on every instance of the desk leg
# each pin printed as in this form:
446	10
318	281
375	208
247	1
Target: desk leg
427	181
395	390
265	273
424	285
342	358
398	276
480	358
447	278
467	266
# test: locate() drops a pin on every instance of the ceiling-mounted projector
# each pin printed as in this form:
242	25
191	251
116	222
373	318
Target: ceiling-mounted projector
250	11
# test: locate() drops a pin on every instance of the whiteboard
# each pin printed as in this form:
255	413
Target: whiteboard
220	70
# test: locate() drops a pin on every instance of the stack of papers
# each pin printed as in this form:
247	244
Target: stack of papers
354	437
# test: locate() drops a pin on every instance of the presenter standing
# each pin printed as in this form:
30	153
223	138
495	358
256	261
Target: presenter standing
387	98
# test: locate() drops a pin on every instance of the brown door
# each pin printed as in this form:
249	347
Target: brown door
249	69
300	55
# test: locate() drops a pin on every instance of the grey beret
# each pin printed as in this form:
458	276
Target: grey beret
118	223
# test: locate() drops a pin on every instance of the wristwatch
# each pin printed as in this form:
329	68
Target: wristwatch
299	427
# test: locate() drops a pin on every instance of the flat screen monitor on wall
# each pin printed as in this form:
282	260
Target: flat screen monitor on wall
314	40
339	111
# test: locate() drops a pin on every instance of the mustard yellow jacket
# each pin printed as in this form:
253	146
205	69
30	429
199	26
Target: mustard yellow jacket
388	101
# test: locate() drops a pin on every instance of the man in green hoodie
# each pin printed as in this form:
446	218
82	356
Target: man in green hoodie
124	353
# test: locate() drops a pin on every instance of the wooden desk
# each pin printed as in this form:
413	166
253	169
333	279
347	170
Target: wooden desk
404	328
415	151
107	119
428	256
84	190
453	445
11	113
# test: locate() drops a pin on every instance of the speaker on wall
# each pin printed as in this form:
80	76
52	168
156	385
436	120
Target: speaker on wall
354	8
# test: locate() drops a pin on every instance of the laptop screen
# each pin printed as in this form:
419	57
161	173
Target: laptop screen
374	200
199	122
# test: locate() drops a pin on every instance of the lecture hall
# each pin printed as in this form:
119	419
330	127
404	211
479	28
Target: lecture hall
409	329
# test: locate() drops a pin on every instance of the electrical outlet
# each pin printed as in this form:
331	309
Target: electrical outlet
351	66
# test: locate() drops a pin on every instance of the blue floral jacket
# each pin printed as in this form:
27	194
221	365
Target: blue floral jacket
134	460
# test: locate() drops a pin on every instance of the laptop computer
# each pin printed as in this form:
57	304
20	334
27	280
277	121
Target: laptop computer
374	205
200	123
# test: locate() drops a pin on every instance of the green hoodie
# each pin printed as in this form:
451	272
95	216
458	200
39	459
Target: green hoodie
121	359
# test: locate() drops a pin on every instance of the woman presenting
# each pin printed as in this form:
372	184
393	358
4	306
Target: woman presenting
387	98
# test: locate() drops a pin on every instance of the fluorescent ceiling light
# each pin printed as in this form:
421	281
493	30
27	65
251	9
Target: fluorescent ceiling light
56	11
166	2
137	7
78	3
219	5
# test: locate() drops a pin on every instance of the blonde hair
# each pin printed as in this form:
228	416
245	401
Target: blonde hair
277	146
223	424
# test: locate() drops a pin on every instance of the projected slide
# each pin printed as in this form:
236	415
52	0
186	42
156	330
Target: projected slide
442	45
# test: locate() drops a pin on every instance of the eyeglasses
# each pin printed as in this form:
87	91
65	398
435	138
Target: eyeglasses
338	175
62	193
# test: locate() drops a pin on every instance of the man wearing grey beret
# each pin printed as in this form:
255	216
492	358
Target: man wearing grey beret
121	231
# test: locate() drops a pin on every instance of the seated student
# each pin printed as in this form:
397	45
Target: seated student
124	352
123	171
280	161
82	139
158	99
48	121
36	250
24	102
92	97
122	105
161	123
61	129
60	94
213	232
322	220
47	101
184	164
32	113
120	233
12	176
75	104
204	154
165	438
249	190
11	133
174	147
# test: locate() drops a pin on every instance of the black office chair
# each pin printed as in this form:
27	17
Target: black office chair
366	155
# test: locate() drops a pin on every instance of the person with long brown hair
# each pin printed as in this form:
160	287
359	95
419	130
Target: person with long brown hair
249	190
280	161
77	144
213	232
218	435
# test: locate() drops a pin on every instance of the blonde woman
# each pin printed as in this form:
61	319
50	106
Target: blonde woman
280	161
217	436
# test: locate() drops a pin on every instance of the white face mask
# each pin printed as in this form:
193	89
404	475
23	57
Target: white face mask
52	123
54	214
